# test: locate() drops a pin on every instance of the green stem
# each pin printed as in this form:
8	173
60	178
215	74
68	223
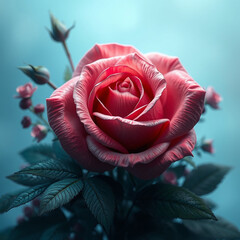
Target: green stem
51	85
68	54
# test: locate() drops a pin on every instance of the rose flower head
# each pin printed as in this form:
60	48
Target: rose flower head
39	74
126	109
207	146
25	91
212	98
39	132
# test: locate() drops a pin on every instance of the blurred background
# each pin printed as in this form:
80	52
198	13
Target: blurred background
204	34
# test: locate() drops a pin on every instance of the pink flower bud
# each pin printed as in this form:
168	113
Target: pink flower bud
212	98
38	74
170	177
39	108
26	122
36	203
207	146
39	132
25	91
28	211
20	220
25	103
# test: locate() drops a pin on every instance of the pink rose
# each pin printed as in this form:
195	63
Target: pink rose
39	132
25	91
212	98
126	109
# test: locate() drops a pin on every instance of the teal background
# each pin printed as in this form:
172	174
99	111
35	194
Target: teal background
204	34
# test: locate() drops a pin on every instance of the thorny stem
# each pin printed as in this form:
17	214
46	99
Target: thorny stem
68	54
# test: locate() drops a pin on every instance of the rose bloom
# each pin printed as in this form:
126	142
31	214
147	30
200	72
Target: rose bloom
39	132
25	91
212	98
126	109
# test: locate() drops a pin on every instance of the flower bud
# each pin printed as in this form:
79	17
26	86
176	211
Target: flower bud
39	132
28	211
59	31
38	74
25	103
170	177
26	122
212	98
207	146
25	91
39	108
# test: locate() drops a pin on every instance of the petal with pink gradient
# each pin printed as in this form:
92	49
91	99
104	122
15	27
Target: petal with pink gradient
124	160
164	63
64	121
101	51
183	102
178	149
131	134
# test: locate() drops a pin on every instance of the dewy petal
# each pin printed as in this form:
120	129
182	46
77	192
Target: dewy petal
183	103
100	51
153	84
131	134
165	63
124	160
81	93
179	149
64	121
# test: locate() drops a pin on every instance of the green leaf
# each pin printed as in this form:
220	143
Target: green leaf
189	161
37	153
205	178
56	232
100	200
28	195
7	199
220	229
67	74
169	201
4	234
46	172
60	193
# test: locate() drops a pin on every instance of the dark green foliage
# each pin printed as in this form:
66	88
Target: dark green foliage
168	201
205	178
60	193
220	229
100	200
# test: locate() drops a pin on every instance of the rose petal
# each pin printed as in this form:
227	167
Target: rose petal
64	121
124	160
100	51
164	63
131	134
119	104
183	103
153	84
81	93
179	149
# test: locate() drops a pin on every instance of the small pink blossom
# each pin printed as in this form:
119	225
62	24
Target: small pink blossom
25	91
25	103
207	146
26	122
39	108
39	132
212	98
170	177
28	211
